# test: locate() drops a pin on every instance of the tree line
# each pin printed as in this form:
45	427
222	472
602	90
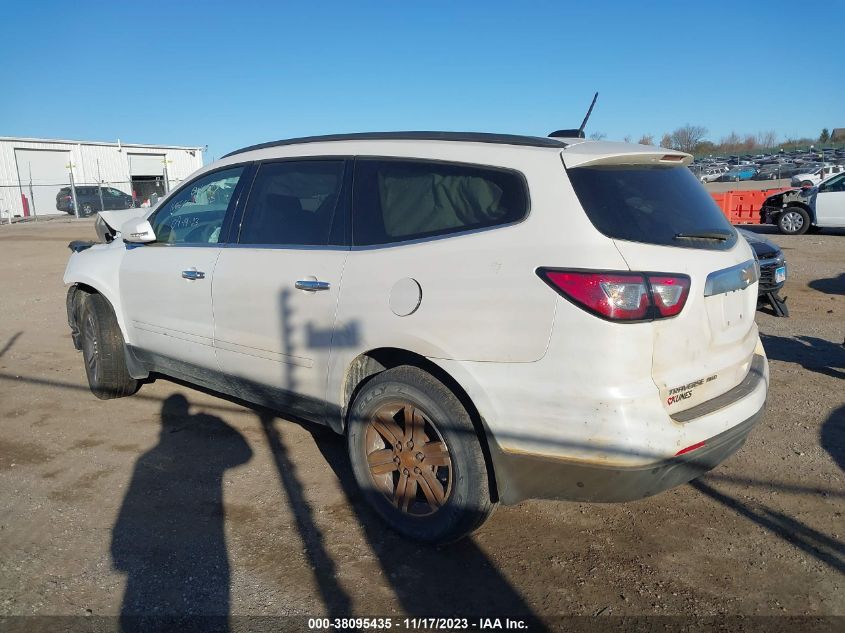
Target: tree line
693	140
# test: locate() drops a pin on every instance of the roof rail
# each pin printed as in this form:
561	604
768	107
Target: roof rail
471	137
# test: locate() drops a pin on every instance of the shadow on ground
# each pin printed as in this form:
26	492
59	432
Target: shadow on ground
832	436
811	353
830	285
169	536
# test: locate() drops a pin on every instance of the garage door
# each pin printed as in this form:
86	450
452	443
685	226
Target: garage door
48	171
146	164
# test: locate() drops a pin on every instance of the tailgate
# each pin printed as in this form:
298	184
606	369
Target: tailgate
662	220
707	349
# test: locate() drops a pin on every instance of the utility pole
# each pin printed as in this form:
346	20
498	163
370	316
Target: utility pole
73	190
100	185
32	195
166	177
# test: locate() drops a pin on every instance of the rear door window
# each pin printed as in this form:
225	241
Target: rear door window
295	203
653	205
397	200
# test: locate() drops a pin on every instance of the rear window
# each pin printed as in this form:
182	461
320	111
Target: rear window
651	204
399	200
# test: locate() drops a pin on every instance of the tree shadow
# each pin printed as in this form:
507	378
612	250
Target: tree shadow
169	535
832	436
10	343
457	579
824	548
335	599
831	285
813	354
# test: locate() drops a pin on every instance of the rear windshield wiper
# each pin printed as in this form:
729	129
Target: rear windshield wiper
704	235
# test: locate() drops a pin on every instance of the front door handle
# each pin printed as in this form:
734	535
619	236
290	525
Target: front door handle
193	274
312	285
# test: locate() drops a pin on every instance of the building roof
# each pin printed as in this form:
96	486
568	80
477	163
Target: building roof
24	139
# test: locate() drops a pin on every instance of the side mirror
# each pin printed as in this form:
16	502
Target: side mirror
138	231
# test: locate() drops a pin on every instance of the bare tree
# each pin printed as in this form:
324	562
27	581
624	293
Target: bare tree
767	139
730	142
688	137
666	141
597	136
627	138
646	139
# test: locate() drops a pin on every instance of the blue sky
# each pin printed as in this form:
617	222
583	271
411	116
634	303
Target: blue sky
229	74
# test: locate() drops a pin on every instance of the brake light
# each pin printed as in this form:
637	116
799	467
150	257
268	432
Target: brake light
621	296
669	293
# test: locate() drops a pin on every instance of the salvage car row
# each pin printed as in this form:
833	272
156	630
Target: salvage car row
804	168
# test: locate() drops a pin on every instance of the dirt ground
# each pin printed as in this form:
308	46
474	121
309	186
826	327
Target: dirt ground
747	185
177	500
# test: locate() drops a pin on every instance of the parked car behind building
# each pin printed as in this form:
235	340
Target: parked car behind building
90	201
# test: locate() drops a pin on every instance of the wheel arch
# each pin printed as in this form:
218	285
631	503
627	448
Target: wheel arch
373	362
803	205
75	294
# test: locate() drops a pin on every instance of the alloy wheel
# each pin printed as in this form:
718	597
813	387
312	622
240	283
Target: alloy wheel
408	460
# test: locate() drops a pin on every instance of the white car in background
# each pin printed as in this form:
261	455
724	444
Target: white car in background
487	318
712	174
797	211
814	177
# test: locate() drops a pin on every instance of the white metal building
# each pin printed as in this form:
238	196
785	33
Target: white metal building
34	171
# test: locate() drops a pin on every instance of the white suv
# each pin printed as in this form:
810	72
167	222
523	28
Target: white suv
487	318
813	178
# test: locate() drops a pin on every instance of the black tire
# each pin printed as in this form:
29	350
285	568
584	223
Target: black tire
87	209
103	350
794	221
459	507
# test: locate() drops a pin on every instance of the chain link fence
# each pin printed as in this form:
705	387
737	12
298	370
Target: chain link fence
29	201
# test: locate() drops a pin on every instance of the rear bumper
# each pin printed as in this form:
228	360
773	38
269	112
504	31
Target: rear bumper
538	477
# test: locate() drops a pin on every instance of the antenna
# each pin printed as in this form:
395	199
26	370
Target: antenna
579	133
589	112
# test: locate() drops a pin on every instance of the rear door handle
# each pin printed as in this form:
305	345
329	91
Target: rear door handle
193	274
312	285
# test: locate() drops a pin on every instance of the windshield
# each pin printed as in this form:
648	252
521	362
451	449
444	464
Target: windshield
652	204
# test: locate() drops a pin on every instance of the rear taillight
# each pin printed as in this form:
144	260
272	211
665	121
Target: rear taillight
621	296
669	293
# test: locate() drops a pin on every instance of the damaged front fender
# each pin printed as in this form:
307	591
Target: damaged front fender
774	205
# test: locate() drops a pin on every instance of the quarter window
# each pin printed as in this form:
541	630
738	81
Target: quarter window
295	203
834	184
399	200
195	214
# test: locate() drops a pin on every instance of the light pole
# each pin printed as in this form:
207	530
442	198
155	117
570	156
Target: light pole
73	191
100	185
